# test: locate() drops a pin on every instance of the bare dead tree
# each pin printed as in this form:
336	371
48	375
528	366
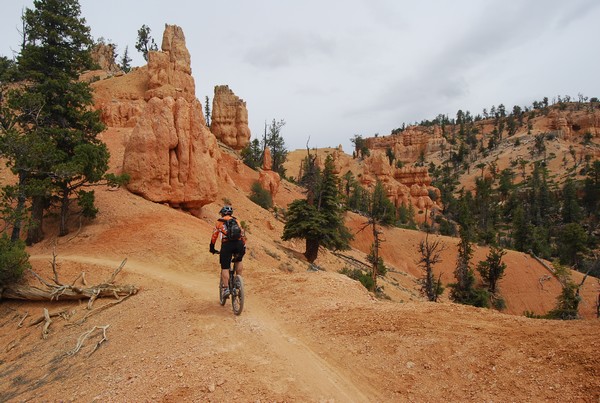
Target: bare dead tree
430	255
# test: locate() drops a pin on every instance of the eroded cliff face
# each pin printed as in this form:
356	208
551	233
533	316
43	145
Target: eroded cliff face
572	124
229	119
171	155
406	186
410	143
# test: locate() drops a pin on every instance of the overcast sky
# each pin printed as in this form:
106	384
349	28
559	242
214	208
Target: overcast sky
335	68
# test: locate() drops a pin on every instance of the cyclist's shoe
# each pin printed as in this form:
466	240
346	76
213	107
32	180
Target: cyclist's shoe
226	292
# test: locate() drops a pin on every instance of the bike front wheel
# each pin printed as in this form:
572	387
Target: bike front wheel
237	295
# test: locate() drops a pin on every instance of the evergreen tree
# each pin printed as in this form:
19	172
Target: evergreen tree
572	243
55	107
492	269
336	234
252	154
276	144
319	218
145	42
125	62
14	260
505	183
304	221
207	111
382	210
486	210
360	146
521	230
464	290
570	210
591	190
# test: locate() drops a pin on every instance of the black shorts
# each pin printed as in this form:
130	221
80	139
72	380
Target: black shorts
231	251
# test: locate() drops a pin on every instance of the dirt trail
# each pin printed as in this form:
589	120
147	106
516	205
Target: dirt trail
271	343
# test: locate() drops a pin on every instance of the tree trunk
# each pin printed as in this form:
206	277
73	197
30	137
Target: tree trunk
375	254
35	233
31	293
64	211
312	249
19	209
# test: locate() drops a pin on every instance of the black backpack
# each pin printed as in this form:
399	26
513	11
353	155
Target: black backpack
233	231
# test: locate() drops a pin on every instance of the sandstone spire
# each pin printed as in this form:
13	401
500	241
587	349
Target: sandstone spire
171	156
230	118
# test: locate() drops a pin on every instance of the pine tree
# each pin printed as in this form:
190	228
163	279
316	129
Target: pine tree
570	211
464	290
207	111
319	218
382	209
337	235
492	269
55	108
145	43
125	62
276	144
252	154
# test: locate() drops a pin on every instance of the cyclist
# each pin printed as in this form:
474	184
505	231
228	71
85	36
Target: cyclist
232	250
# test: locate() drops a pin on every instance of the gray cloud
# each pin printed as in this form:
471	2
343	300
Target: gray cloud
288	49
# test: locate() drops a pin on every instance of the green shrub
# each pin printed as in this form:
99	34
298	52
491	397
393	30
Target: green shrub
357	274
499	303
13	260
260	196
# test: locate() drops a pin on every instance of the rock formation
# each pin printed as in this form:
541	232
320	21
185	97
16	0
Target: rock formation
410	143
404	186
103	55
170	71
574	123
171	156
269	179
229	118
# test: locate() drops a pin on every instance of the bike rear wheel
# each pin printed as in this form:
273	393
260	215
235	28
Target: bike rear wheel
222	299
237	295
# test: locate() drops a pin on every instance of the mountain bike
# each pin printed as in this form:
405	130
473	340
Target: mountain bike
236	287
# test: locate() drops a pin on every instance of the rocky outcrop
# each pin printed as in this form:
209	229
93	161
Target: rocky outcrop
169	71
341	161
410	143
121	99
229	119
404	186
171	156
103	54
268	179
574	123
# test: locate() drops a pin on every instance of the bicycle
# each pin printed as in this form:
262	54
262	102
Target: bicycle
236	288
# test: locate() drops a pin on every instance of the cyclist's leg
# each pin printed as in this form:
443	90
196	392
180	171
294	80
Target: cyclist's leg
239	268
239	253
225	261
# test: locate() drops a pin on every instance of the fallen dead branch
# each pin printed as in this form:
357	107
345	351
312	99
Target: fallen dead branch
102	308
22	320
47	323
50	292
64	314
85	335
